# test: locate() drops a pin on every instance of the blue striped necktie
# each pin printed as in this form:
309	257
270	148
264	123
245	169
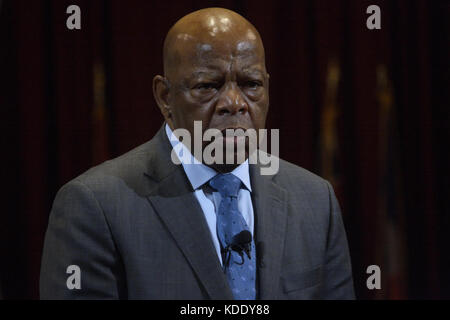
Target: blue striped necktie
240	267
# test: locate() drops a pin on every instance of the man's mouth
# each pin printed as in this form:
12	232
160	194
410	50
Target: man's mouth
233	131
233	135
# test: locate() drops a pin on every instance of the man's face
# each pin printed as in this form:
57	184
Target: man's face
221	82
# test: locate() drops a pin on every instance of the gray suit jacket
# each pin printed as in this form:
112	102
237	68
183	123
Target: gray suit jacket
135	229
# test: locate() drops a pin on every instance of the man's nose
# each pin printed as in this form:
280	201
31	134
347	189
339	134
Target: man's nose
231	101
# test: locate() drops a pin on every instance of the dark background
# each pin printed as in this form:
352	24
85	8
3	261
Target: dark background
57	119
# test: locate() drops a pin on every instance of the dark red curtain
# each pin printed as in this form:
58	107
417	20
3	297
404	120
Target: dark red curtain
73	98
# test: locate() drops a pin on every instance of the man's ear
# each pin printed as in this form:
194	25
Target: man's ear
161	94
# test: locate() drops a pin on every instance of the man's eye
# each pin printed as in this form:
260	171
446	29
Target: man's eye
253	84
206	86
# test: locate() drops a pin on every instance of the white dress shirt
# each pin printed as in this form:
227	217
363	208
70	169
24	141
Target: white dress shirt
209	200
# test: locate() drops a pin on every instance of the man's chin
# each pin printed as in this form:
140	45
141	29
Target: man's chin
224	168
232	159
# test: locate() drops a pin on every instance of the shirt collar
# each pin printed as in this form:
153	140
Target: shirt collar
198	173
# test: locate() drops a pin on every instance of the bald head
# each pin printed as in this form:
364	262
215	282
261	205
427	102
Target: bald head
207	31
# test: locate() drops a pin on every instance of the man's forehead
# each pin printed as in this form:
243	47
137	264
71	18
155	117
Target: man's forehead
241	40
241	48
190	49
219	63
217	71
216	53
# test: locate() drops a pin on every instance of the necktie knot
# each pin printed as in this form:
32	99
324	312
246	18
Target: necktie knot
227	184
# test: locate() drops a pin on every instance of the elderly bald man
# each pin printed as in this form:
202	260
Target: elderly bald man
142	227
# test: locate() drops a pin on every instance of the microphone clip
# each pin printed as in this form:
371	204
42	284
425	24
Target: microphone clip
242	242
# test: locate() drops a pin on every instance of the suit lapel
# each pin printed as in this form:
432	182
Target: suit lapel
270	209
175	203
172	197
